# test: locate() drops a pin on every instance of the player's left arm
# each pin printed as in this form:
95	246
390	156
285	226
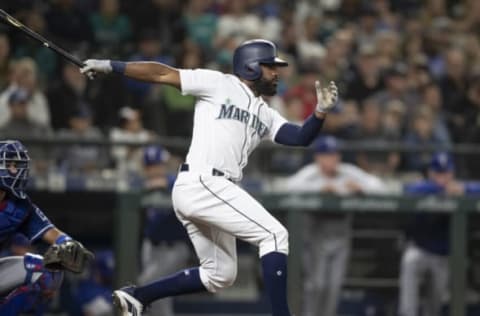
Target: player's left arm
294	135
52	235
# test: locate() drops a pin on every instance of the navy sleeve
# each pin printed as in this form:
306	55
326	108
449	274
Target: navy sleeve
422	187
36	224
472	188
293	135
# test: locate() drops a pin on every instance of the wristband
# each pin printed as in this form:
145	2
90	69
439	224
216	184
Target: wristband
118	66
62	238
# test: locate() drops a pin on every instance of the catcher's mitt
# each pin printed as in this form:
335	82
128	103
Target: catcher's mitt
70	255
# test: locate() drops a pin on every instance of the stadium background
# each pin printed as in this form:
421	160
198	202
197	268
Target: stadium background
409	79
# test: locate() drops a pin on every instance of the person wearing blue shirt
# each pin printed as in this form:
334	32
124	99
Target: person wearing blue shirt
92	295
164	246
20	274
425	259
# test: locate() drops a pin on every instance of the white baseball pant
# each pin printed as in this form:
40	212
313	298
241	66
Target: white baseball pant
215	212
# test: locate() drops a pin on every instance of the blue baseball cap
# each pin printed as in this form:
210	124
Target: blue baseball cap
325	144
442	162
18	96
155	154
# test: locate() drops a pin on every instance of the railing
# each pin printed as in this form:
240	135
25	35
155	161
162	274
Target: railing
295	205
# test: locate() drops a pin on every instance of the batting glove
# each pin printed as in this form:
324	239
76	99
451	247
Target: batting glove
94	66
326	97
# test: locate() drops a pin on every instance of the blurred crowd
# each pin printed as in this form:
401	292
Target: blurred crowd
408	71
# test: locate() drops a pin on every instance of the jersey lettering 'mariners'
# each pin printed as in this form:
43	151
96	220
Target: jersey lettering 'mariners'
231	112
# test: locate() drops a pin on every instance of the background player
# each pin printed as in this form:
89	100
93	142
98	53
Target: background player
425	259
230	120
327	236
164	247
20	274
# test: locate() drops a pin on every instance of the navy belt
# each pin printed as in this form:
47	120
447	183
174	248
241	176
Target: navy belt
215	172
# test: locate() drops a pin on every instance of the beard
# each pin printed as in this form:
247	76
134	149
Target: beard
265	87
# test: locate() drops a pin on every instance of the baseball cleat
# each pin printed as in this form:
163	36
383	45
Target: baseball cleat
126	303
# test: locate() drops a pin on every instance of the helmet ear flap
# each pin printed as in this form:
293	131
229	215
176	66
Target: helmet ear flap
254	71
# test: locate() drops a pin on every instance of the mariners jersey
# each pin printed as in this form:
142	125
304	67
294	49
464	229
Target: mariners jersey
229	121
22	216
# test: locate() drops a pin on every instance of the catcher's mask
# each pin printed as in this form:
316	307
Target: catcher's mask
14	167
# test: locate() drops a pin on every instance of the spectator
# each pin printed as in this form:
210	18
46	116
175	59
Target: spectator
178	116
111	29
387	43
165	16
308	47
129	159
24	76
68	95
201	25
45	59
328	236
149	49
366	79
20	126
420	134
379	127
472	127
431	97
165	246
367	26
453	88
4	60
238	22
81	159
428	249
396	88
69	24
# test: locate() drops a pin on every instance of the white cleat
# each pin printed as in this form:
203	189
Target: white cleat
126	303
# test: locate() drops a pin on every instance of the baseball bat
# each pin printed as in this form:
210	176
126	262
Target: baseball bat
15	23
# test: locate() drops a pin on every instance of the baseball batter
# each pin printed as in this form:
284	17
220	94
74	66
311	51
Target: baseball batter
230	120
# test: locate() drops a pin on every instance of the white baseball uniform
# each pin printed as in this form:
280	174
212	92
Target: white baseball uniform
229	122
327	238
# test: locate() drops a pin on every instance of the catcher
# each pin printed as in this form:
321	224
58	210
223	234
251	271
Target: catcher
31	272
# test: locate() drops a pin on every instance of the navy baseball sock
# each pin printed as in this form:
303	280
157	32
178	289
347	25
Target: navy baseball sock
183	282
274	266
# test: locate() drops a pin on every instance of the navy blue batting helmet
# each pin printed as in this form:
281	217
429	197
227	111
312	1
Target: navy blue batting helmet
14	167
248	57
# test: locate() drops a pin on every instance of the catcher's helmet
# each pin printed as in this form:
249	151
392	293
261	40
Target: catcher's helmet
248	57
14	167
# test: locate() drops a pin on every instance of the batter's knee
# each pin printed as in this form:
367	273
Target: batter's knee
218	276
276	240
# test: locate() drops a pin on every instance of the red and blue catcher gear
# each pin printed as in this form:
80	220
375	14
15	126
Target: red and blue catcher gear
14	168
39	287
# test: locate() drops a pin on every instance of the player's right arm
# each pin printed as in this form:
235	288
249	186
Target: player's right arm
153	72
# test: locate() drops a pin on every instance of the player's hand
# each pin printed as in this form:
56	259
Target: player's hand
326	97
95	66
